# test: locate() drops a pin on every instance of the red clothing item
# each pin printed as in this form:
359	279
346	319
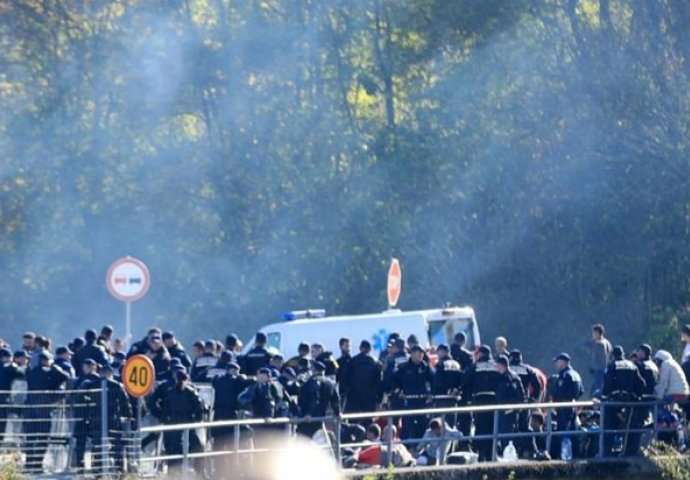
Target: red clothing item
370	455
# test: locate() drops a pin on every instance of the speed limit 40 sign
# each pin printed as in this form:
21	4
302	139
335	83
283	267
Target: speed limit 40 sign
138	376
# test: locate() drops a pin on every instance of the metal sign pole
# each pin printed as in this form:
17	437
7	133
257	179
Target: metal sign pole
128	322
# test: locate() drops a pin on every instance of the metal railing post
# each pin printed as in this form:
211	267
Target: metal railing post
237	446
441	454
602	435
136	445
549	428
338	432
104	427
655	421
185	453
494	440
390	441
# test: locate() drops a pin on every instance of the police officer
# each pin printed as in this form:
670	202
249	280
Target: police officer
263	397
9	372
256	358
459	353
204	362
480	385
447	381
182	404
567	388
45	377
226	389
87	412
91	350
413	381
533	391
175	349
509	391
397	356
316	396
364	380
63	356
220	368
119	412
622	383
650	374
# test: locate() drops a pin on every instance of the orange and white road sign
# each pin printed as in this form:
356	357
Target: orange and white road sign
394	282
138	375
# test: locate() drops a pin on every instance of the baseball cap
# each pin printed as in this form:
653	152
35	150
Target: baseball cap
168	335
90	361
646	348
562	356
5	352
63	350
416	348
107	369
502	359
399	343
618	352
20	354
265	371
44	356
234	365
442	346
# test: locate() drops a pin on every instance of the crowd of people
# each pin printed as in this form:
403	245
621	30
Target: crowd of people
314	384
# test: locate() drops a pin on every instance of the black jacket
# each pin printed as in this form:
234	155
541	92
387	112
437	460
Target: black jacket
182	404
226	389
448	377
363	381
255	358
90	350
480	382
317	395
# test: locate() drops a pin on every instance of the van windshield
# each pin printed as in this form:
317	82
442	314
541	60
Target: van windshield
443	331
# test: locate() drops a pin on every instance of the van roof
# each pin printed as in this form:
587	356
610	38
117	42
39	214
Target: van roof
426	314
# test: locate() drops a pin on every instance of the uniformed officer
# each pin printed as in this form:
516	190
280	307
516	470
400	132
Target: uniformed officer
9	372
640	414
45	377
119	412
87	412
412	382
567	388
396	357
447	382
533	392
509	391
622	383
257	357
316	396
364	380
204	362
226	389
182	404
480	384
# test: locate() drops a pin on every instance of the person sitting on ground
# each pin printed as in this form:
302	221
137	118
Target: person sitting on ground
436	442
371	456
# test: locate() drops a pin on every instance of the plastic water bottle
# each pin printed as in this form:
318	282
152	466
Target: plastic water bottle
566	449
509	453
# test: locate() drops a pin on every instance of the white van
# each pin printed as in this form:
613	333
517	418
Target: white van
432	327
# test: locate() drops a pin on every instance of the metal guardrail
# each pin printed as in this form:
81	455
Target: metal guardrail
45	426
337	421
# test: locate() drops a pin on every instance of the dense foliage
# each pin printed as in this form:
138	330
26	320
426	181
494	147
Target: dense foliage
527	157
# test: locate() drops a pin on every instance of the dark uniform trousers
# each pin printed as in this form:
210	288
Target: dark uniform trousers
484	425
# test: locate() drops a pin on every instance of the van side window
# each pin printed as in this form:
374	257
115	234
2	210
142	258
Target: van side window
273	340
443	331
